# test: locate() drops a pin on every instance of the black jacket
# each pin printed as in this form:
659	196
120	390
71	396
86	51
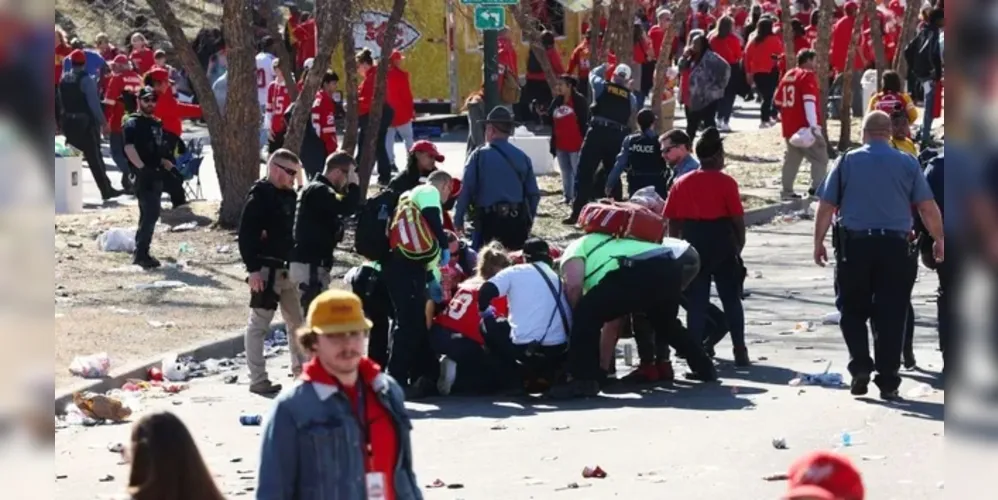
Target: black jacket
405	181
581	107
319	221
923	56
265	227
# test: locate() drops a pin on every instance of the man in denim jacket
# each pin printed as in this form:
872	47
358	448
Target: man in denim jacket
341	432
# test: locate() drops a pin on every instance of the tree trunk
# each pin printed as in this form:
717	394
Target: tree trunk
788	35
908	28
272	16
596	49
664	61
531	30
845	107
350	82
328	24
822	48
236	165
368	149
612	37
877	34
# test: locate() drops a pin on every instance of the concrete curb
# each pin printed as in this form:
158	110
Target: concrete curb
227	346
763	215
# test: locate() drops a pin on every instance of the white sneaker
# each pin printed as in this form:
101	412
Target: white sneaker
765	124
448	373
724	127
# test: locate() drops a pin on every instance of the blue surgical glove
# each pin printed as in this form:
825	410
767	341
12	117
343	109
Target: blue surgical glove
436	291
444	256
489	313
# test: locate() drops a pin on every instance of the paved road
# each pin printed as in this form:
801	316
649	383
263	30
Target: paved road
687	441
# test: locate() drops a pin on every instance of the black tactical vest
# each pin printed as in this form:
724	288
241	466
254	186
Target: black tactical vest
613	104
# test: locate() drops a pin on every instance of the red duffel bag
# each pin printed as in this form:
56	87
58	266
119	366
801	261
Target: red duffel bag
622	219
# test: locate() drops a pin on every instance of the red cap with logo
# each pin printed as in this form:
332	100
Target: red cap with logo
396	56
824	475
120	59
159	74
78	57
427	147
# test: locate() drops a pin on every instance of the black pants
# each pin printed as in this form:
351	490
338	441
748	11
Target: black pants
766	84
600	147
148	191
369	284
651	287
173	184
511	231
517	363
477	370
706	116
380	149
411	357
908	345
82	134
534	92
874	278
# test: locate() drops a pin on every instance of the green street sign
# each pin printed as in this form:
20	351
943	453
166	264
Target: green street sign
490	17
489	2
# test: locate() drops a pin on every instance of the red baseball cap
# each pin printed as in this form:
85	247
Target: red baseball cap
396	56
851	5
78	57
159	74
824	475
120	59
428	147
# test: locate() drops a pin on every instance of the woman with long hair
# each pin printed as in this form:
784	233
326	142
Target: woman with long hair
726	44
761	67
166	464
365	97
422	161
474	105
707	76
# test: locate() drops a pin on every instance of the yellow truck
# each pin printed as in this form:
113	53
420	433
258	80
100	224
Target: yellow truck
443	50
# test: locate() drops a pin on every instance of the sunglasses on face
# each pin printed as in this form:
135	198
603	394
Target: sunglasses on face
288	170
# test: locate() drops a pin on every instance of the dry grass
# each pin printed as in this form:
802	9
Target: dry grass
86	18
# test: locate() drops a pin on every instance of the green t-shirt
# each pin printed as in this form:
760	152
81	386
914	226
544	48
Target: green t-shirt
426	196
600	255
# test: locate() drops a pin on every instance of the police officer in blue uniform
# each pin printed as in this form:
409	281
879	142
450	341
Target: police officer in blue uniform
613	104
641	157
873	188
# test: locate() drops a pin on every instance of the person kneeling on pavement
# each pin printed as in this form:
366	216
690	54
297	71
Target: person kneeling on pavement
456	332
342	429
607	278
531	344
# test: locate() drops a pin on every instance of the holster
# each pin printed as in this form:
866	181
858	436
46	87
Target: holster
840	241
266	299
311	289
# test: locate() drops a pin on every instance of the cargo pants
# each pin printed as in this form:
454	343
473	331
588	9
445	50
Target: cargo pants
259	326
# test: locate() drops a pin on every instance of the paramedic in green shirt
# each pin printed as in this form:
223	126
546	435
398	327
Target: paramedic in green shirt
410	284
607	278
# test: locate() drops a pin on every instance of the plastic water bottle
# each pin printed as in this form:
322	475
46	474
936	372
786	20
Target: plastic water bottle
250	420
846	439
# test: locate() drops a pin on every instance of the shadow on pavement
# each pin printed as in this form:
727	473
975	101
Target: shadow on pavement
758	373
925	410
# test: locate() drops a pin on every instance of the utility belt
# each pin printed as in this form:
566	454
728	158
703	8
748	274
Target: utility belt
604	122
267	299
313	287
841	237
506	210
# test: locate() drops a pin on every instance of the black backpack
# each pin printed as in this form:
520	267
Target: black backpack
371	237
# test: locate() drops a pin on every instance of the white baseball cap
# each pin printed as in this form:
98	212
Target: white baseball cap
623	71
309	62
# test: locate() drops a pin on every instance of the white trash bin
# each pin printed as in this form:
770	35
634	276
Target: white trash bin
539	151
869	82
68	185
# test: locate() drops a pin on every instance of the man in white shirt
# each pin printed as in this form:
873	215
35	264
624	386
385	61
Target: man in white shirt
533	342
264	75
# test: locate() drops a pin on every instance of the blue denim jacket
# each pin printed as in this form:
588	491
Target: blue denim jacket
312	446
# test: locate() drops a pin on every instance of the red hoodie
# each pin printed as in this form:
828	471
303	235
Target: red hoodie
365	91
173	113
305	40
399	96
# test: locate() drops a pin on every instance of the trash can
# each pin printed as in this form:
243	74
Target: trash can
869	82
539	151
668	114
68	185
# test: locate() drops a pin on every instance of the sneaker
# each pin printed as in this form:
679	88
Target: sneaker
892	395
112	194
448	373
859	385
644	374
789	196
146	262
575	389
265	388
908	360
665	372
724	127
421	389
765	125
811	192
709	376
741	357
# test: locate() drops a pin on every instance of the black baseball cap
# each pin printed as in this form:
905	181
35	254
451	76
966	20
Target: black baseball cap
536	249
147	92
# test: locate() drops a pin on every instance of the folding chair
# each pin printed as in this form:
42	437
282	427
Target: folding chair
189	168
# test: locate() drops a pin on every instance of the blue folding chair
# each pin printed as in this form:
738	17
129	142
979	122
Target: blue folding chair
189	168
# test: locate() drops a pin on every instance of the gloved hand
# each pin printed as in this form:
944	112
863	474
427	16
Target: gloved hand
489	313
444	256
436	291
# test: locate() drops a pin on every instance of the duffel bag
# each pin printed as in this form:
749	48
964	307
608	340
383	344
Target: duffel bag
622	219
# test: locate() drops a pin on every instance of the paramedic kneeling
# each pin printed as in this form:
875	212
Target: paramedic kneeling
607	278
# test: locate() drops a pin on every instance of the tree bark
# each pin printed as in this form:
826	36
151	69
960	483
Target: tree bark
845	107
328	24
664	61
368	149
272	16
908	28
596	49
349	81
822	48
877	34
531	30
236	165
788	35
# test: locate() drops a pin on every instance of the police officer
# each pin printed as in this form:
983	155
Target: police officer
873	188
265	244
147	155
613	104
641	157
83	120
323	205
499	181
607	278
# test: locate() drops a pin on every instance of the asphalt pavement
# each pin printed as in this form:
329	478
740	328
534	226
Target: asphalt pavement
681	441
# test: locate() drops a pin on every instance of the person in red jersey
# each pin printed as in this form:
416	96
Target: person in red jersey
172	114
578	63
403	105
368	70
141	56
726	44
797	97
107	50
124	84
804	10
278	101
324	116
456	332
304	42
536	91
761	69
812	29
62	50
841	35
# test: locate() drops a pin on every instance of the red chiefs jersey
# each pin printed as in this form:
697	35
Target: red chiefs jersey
889	102
324	120
567	136
142	60
305	41
462	316
114	109
278	101
797	87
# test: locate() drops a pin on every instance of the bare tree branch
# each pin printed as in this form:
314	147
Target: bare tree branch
664	61
788	35
350	68
596	50
877	34
822	48
908	28
272	16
